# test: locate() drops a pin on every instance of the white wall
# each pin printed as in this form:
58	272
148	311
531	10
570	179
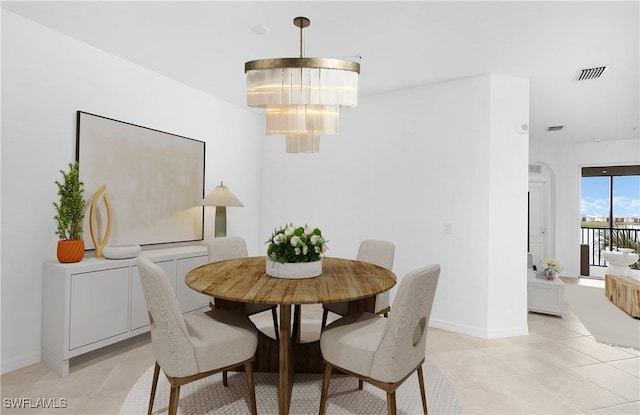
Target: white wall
508	186
46	78
566	162
404	164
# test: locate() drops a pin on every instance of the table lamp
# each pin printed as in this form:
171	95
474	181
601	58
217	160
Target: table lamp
221	197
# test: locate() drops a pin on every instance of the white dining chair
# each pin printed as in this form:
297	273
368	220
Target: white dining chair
384	352
232	247
189	348
375	252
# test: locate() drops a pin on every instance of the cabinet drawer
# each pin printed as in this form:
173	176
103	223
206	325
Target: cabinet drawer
99	306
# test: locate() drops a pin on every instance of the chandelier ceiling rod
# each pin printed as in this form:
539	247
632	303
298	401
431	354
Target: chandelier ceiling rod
301	22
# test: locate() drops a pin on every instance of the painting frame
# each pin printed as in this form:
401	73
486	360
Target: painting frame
154	183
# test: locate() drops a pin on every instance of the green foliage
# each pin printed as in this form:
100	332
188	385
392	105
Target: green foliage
594	224
70	208
291	244
603	225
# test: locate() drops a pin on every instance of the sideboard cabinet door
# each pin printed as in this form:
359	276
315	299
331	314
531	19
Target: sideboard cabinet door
139	314
189	299
99	306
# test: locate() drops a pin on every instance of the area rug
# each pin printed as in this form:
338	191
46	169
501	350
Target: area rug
208	396
605	321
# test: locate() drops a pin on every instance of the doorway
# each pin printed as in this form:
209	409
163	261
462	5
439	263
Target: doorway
539	216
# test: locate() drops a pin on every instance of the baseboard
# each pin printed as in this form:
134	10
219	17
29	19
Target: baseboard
509	332
479	332
20	362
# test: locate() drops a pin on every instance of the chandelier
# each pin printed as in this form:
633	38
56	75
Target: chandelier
302	96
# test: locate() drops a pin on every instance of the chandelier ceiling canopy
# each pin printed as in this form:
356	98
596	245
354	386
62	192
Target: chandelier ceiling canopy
302	96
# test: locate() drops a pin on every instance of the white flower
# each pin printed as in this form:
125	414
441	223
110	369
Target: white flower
552	265
304	243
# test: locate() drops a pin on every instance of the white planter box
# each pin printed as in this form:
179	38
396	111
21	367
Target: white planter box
296	270
545	296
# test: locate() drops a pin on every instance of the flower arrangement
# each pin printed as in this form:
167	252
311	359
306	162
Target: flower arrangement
551	267
291	244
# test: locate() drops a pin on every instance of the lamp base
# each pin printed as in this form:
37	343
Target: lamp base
220	228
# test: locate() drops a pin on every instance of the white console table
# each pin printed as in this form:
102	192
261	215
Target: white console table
97	302
545	296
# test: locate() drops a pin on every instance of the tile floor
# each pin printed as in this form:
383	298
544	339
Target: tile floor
557	369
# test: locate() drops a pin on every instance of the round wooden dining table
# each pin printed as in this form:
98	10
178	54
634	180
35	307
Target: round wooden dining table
244	280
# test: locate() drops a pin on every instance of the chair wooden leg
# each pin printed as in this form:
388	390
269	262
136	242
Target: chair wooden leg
422	393
360	384
173	400
386	315
391	403
248	368
274	314
225	381
325	313
154	383
325	388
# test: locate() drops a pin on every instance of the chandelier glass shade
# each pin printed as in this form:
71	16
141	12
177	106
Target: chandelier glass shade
302	96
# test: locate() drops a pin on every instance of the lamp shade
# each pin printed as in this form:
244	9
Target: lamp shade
221	196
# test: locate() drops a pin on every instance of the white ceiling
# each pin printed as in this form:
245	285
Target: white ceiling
204	44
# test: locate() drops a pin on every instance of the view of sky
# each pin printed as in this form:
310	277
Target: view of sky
626	196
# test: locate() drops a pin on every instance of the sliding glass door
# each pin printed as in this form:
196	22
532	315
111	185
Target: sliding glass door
610	210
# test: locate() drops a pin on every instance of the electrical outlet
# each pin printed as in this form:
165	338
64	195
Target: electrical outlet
448	228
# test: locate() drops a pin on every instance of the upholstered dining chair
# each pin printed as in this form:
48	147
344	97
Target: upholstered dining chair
384	351
189	348
232	247
375	252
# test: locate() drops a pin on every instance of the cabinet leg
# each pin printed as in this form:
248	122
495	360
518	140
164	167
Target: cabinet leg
53	362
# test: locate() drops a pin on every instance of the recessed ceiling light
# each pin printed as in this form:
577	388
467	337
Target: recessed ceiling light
261	30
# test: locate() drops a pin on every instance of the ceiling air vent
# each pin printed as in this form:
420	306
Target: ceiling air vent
555	128
591	73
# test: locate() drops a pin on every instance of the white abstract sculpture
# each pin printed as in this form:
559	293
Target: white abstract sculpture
619	262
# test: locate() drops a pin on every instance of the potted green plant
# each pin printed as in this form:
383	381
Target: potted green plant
295	252
69	215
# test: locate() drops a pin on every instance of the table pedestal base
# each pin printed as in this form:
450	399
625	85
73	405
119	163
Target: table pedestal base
288	355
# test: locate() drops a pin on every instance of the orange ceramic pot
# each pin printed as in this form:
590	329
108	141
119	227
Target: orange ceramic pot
70	251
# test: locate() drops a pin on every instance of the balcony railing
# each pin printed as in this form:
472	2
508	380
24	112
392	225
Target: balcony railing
600	239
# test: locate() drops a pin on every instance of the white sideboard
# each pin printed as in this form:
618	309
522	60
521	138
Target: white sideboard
98	302
545	296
